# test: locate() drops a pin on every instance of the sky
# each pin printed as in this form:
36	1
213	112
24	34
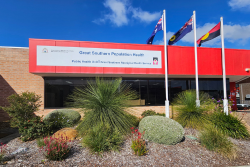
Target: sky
121	21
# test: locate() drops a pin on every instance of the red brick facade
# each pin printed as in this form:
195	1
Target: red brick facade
15	76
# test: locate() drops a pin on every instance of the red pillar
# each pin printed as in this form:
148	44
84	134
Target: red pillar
233	95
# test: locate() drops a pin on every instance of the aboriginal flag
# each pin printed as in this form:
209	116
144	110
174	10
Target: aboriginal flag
215	32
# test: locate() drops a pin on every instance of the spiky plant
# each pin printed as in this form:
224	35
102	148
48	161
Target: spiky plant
215	140
229	125
188	114
104	102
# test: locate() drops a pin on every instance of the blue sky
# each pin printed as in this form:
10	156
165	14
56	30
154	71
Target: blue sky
121	21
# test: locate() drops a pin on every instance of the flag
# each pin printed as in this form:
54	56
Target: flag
188	26
215	32
158	27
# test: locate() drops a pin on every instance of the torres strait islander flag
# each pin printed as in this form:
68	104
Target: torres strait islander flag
215	32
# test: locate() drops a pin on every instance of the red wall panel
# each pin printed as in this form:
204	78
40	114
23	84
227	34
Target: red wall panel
237	61
181	60
33	68
209	61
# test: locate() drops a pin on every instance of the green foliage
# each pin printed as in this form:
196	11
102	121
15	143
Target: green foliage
102	138
104	101
138	144
63	118
55	149
58	120
214	140
188	114
135	120
150	113
2	151
34	128
229	125
40	142
161	130
22	107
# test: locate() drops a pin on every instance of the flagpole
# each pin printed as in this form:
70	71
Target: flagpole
196	63
166	64
225	101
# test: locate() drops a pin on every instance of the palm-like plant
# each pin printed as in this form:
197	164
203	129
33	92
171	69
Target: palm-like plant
188	114
104	102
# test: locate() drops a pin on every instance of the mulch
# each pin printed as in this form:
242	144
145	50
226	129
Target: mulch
187	153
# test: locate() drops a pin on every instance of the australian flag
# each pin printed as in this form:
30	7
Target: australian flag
158	27
182	32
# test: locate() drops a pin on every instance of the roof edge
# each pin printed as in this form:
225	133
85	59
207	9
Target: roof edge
14	47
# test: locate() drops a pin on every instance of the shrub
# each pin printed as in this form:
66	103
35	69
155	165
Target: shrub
161	130
22	107
102	138
64	118
34	128
104	101
229	125
55	148
2	151
138	144
214	140
58	120
188	114
135	120
40	142
150	113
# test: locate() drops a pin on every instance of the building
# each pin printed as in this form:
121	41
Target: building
52	68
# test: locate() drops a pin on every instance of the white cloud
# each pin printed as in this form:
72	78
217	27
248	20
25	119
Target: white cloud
120	11
145	16
239	4
161	42
118	14
237	32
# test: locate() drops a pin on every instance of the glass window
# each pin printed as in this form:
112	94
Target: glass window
152	90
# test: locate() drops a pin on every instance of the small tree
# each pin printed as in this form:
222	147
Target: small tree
188	114
104	101
22	107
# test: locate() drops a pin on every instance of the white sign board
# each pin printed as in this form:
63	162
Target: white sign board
97	57
247	95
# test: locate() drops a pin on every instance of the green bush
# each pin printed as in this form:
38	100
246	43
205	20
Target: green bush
63	118
59	121
34	128
161	130
188	114
229	125
150	113
214	140
104	102
40	142
22	107
102	138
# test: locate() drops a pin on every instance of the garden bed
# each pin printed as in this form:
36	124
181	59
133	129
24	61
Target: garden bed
187	153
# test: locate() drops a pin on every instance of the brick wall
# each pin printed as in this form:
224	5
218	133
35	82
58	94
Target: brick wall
15	76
